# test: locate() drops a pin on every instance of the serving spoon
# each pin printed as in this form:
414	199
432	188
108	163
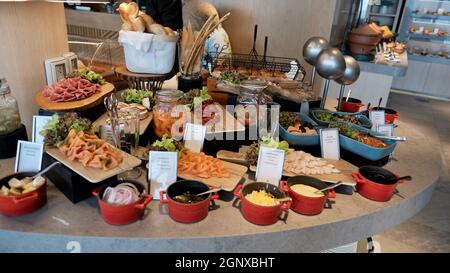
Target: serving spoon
210	191
45	170
330	187
396	179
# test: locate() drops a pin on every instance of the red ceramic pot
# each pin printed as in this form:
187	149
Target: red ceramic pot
25	203
261	215
182	212
389	114
350	106
122	214
304	204
373	183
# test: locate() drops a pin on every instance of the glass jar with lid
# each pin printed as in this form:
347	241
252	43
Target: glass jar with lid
168	113
9	111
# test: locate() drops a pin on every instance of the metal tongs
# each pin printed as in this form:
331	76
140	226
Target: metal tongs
111	103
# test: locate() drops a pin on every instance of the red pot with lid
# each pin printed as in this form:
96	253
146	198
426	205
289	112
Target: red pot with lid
350	106
122	214
376	183
25	203
261	215
187	212
389	114
305	204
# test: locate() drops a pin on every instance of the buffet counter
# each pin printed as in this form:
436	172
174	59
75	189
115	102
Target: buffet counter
375	81
60	225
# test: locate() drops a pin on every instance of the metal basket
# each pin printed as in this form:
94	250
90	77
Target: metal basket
272	66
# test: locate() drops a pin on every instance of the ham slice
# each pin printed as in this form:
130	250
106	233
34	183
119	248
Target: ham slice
71	89
91	151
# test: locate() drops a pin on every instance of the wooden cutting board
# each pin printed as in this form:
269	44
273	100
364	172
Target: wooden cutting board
346	169
91	174
46	104
143	123
227	184
345	175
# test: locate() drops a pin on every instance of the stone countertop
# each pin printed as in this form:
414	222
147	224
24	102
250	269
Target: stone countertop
392	69
351	218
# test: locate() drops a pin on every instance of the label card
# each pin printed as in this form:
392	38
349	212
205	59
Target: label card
377	118
28	156
38	125
386	129
270	165
162	171
194	136
329	143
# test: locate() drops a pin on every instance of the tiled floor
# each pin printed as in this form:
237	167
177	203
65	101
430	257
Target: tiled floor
428	231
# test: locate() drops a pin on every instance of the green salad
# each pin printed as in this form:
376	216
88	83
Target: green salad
89	75
196	98
136	95
252	153
57	129
230	76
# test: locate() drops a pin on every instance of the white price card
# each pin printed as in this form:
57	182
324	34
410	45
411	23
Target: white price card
329	143
386	129
270	165
162	170
194	136
377	118
38	125
28	156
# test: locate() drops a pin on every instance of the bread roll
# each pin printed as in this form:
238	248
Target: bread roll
126	26
169	31
148	20
138	24
132	10
157	29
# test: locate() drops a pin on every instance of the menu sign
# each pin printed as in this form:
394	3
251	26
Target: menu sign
28	156
162	170
329	143
38	125
377	118
270	165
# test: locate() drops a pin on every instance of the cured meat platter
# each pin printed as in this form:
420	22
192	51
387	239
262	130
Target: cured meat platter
47	104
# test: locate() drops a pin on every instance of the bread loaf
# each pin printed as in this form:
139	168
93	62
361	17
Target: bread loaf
157	29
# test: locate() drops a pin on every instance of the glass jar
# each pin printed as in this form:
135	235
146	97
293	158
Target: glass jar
168	113
9	111
250	96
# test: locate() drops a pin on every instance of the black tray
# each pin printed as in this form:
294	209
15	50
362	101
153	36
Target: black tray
72	185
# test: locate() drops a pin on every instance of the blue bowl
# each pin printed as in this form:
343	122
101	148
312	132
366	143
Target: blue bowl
366	123
301	140
363	150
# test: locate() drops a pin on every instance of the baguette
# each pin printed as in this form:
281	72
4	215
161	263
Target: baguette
157	29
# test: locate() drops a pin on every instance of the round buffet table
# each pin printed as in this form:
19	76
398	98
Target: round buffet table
61	226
